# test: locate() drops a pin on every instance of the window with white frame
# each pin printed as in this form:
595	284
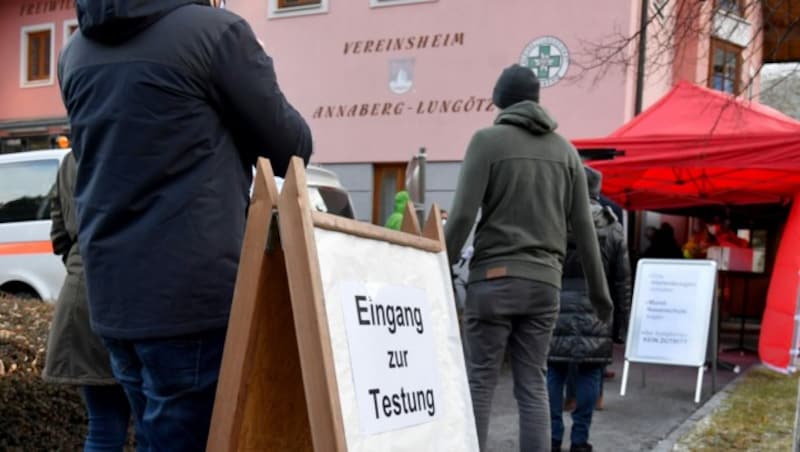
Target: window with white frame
70	27
378	3
36	55
287	8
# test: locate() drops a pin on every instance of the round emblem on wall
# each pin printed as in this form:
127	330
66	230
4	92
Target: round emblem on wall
548	58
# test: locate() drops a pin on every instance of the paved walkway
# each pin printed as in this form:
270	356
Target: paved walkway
636	422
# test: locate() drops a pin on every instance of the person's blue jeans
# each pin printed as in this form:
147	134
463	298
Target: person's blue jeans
171	384
109	415
587	390
571	382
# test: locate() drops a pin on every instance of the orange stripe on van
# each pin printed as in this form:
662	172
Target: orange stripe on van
39	247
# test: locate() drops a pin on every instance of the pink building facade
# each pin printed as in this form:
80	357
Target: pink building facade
380	79
33	33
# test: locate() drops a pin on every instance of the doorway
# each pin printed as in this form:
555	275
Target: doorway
389	178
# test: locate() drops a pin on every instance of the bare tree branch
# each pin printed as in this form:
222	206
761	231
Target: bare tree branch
673	33
674	30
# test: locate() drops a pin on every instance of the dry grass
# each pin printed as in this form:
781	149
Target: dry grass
757	416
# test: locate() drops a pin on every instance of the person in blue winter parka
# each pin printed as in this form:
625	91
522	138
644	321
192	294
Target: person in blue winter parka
170	103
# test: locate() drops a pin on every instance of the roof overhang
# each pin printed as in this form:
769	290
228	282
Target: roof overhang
781	31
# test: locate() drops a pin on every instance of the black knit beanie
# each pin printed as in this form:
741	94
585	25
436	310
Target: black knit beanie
516	84
594	180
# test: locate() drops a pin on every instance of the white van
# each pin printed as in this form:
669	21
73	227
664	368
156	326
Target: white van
28	267
325	192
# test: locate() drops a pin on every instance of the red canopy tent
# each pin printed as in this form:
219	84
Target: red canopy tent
697	146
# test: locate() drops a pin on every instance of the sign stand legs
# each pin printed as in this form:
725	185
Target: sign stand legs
624	385
699	387
715	338
626	369
714	344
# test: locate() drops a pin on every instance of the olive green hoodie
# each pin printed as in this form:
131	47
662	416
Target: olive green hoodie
530	185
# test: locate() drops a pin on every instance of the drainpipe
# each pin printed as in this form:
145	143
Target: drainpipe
642	53
635	227
423	163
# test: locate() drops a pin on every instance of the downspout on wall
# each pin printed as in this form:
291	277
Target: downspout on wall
635	226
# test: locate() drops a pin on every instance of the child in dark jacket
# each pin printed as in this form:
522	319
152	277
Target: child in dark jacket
580	338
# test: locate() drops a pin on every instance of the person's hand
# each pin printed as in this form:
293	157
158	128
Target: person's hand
604	308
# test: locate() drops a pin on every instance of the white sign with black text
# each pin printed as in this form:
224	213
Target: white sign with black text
396	346
671	314
392	356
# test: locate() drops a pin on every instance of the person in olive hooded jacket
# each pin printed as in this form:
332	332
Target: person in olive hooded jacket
529	184
75	355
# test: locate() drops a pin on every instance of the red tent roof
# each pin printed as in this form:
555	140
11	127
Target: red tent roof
697	147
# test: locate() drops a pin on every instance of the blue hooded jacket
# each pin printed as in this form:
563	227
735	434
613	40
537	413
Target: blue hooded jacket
170	104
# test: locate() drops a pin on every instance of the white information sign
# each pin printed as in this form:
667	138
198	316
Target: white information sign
671	315
396	346
671	312
392	354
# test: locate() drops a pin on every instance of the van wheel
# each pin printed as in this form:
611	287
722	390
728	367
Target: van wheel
19	290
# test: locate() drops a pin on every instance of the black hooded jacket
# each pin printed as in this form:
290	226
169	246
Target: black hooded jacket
579	336
170	104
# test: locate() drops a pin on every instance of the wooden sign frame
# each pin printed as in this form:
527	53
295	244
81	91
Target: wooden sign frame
277	368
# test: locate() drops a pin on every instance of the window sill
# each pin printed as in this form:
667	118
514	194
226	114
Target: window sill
385	3
732	28
275	13
37	83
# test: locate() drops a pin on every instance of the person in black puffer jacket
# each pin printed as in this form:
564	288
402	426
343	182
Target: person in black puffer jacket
580	339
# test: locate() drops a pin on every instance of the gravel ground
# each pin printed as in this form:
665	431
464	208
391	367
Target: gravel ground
34	415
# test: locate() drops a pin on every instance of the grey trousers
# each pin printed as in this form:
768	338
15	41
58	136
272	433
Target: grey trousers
519	314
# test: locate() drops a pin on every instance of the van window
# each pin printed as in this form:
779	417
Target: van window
25	189
337	201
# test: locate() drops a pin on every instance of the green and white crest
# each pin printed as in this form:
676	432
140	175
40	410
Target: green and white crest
548	58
